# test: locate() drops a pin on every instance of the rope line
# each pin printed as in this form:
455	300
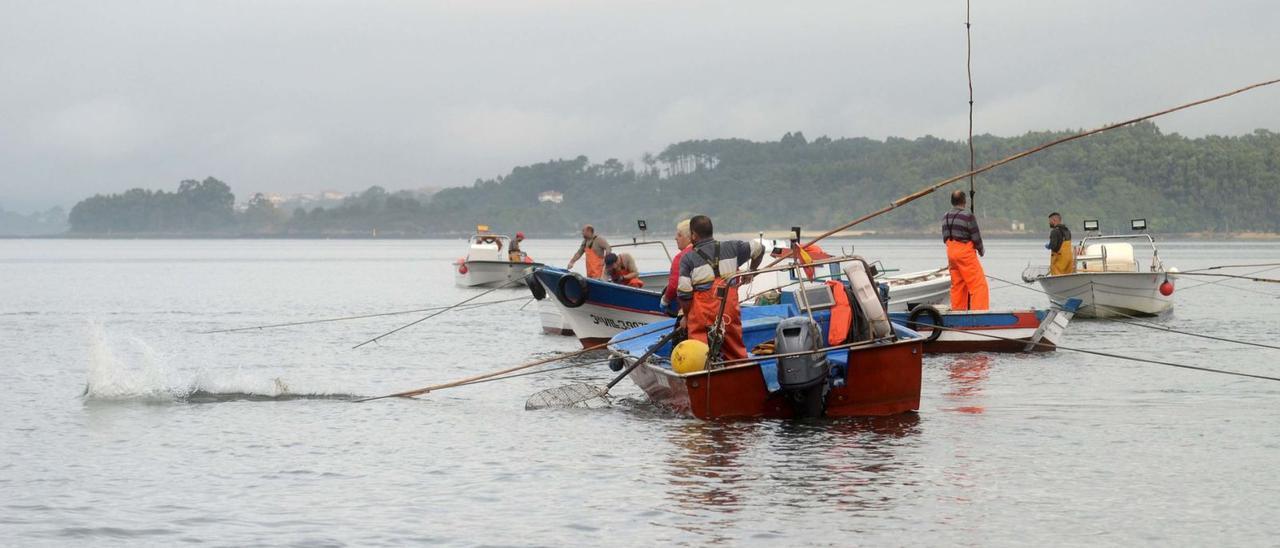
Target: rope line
360	317
1135	321
1117	356
437	313
988	167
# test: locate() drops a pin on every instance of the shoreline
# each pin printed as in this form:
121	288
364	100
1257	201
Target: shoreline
769	234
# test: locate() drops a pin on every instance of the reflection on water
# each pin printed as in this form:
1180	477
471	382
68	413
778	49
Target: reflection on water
704	469
966	374
854	466
1006	449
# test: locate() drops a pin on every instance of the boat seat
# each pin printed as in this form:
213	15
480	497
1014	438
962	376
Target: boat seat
1113	257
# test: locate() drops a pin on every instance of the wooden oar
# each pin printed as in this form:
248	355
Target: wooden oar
574	394
474	378
988	167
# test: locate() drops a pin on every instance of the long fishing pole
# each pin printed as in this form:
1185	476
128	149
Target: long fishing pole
1144	324
360	317
538	372
1222	266
1222	283
1110	355
968	69
439	312
472	379
1236	276
988	167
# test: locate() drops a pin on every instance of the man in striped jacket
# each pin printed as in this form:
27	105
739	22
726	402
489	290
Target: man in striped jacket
707	267
964	246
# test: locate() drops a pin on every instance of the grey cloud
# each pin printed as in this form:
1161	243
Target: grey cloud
296	96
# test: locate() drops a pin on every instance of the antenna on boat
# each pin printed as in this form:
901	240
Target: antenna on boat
968	68
803	293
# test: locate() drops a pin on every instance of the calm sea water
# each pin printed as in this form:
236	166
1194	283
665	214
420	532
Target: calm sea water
123	424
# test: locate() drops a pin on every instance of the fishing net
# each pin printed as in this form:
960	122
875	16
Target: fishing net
573	395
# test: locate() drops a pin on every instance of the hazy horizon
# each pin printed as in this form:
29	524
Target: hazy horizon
273	97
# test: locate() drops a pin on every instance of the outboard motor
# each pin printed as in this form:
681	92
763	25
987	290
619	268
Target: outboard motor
803	378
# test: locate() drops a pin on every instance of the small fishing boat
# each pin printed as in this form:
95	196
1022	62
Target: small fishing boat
596	310
792	369
1028	330
1109	280
488	262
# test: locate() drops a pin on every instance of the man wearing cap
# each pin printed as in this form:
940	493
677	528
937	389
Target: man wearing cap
703	272
513	253
622	269
595	248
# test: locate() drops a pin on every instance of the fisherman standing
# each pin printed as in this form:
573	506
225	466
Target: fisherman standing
595	248
513	252
964	246
1062	259
703	271
622	269
684	243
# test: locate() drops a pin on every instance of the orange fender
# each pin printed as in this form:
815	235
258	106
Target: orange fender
841	315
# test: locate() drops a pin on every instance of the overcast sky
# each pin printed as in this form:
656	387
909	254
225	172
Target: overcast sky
313	95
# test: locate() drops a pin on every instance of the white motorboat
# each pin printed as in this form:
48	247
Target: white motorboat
488	262
917	288
1109	280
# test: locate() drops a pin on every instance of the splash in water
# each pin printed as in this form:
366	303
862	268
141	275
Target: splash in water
131	370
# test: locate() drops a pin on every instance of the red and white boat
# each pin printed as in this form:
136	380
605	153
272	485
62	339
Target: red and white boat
874	371
1027	330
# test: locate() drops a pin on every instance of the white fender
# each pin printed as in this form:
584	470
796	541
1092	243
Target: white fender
864	291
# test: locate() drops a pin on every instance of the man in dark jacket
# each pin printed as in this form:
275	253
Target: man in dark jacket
1062	259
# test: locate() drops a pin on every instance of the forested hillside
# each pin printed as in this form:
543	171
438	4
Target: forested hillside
1179	184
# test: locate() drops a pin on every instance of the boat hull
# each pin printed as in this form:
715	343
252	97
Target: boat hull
987	331
553	323
607	310
1111	294
882	380
490	273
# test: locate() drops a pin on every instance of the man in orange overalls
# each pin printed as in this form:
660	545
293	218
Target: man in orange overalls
703	271
964	246
595	248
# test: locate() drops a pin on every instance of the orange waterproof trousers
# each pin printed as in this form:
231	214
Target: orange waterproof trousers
595	265
968	281
702	316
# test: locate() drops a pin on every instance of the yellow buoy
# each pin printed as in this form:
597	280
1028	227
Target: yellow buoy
689	356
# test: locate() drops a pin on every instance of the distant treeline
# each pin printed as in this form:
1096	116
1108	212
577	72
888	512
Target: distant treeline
1180	184
42	223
